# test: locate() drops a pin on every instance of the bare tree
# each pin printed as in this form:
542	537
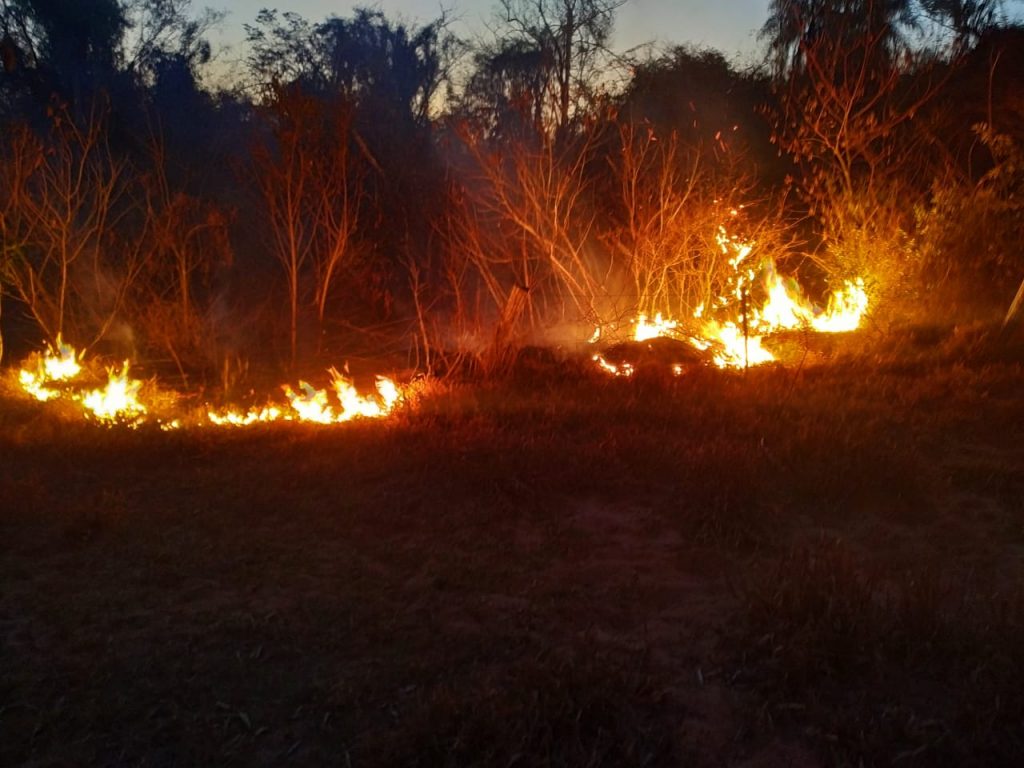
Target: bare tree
673	207
186	238
570	38
339	183
848	84
307	182
521	241
66	199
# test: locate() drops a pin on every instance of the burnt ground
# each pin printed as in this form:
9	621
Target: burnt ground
798	566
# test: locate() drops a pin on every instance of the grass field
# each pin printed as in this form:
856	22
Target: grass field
803	566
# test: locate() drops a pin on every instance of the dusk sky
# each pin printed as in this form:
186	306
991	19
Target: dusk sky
728	25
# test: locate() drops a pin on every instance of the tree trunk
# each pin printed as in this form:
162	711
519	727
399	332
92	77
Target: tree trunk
1015	306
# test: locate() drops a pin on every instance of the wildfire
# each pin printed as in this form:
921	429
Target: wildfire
646	329
734	327
238	419
118	401
57	364
54	376
731	349
57	372
625	369
314	405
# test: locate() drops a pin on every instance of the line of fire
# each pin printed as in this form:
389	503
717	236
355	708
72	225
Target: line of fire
442	208
496	389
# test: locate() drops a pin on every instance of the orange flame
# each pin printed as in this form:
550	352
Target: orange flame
737	342
58	363
314	405
118	401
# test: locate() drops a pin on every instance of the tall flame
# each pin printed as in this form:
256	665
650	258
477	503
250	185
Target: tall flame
119	400
646	329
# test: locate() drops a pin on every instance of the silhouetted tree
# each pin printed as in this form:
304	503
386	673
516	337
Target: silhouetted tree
966	19
568	40
508	90
867	33
698	96
164	34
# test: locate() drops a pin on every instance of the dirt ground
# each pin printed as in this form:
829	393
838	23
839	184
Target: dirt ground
807	566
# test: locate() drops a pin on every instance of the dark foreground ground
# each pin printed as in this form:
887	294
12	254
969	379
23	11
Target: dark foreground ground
814	566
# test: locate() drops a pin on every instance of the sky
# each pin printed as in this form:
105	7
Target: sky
728	25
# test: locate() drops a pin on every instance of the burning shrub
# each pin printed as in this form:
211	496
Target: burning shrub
882	254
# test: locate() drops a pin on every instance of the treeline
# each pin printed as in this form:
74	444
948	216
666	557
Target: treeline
370	186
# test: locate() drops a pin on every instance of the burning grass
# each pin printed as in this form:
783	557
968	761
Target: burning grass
57	373
563	568
756	302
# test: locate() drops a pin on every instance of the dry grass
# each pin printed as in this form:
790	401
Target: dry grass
560	569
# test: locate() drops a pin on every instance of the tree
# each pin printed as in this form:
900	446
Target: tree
569	40
967	20
847	85
77	43
366	59
161	32
390	76
507	93
870	33
70	252
20	35
310	193
702	99
186	237
519	232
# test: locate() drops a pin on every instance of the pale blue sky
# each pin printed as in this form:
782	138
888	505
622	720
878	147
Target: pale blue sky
728	25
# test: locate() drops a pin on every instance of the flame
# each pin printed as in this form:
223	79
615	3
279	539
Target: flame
59	363
314	405
786	309
231	418
355	405
845	309
118	401
625	369
731	349
734	326
646	330
309	403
